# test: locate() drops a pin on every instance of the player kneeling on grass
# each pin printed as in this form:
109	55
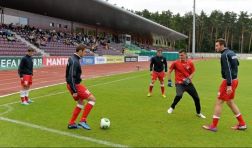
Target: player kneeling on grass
78	91
25	71
157	67
184	72
229	71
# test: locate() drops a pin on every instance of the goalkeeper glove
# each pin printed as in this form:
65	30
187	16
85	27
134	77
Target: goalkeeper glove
187	81
169	83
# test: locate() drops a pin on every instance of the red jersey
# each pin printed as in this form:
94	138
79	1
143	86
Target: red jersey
182	70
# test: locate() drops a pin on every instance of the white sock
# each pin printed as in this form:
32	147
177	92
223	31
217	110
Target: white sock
80	106
91	103
238	115
22	94
27	93
216	117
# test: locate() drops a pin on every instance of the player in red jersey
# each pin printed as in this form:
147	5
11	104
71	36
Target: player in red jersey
184	72
25	71
229	71
158	67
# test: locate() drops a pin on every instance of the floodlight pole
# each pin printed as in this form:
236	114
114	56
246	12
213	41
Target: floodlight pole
2	15
194	26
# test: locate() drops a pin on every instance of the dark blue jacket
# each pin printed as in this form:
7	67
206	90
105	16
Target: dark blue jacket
25	66
73	72
229	66
158	64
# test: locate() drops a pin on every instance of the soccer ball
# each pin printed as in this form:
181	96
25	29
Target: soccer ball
105	123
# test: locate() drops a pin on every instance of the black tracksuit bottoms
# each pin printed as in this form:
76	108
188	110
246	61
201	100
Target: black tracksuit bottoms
190	89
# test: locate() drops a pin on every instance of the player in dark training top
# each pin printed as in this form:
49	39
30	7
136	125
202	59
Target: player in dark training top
226	94
78	91
25	72
158	68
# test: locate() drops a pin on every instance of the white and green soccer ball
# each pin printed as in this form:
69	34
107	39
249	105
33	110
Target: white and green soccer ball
105	123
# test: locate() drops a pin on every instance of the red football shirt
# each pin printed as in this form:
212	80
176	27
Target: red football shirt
182	70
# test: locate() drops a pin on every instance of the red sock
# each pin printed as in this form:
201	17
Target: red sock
150	89
22	95
22	99
162	90
86	111
26	98
241	121
215	121
76	112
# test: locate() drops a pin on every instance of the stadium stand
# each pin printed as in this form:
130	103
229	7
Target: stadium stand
52	42
10	45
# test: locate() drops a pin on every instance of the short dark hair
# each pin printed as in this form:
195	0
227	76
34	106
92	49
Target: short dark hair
80	47
30	49
182	50
221	41
159	49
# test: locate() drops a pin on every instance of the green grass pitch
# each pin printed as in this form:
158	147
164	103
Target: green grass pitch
136	120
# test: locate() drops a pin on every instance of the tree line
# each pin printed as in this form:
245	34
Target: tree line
235	28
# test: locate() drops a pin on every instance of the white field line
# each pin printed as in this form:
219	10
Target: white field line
9	109
31	90
18	86
107	75
58	93
107	143
35	98
41	82
44	77
58	132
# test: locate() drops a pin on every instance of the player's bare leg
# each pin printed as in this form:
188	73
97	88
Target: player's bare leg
238	115
162	86
151	87
218	107
88	107
233	107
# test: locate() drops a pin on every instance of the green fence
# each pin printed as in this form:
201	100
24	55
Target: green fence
133	49
170	56
8	63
